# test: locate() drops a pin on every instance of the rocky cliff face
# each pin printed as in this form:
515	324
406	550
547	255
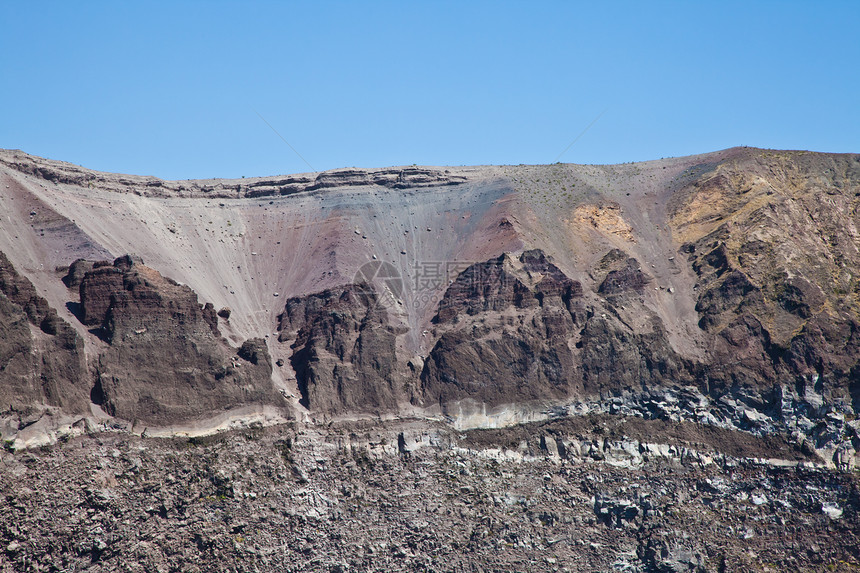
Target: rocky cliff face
343	351
509	328
776	315
519	329
166	362
729	277
772	241
41	356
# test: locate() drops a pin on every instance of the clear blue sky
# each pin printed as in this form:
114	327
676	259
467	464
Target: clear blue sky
173	89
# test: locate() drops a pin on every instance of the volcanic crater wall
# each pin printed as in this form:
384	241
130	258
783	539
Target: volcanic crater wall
730	280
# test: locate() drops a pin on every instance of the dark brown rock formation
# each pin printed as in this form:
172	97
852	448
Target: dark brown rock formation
505	340
344	350
41	355
76	273
512	329
166	362
628	278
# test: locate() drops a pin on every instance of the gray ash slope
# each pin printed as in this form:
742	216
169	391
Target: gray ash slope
717	290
